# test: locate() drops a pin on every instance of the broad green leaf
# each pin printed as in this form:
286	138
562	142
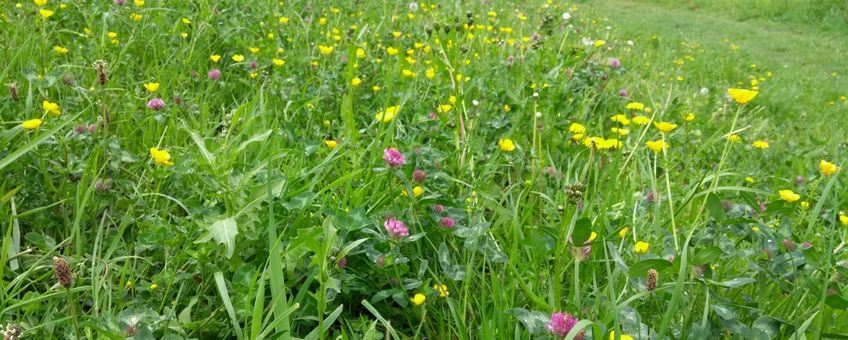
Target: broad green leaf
223	232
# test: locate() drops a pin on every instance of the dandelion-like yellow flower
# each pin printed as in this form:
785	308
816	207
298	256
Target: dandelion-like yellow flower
387	115
742	96
418	299
635	106
442	289
760	144
656	146
138	3
734	138
151	87
577	129
827	168
506	144
31	124
40	3
641	120
161	157
621	119
788	195
641	247
665	127
51	108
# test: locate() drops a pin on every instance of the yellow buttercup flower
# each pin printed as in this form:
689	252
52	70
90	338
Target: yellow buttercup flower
360	53
214	58
749	179
325	50
805	204
442	289
827	168
417	191
253	50
51	108
843	219
506	144
31	124
45	13
418	299
507	108
356	82
641	247
331	143
161	157
40	3
284	20
430	73
278	62
656	146
623	232
622	337
599	43
387	115
138	3
60	50
238	58
391	51
444	108
665	127
789	195
742	96
151	87
760	144
593	236
689	117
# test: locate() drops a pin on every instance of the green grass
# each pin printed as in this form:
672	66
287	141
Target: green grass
271	221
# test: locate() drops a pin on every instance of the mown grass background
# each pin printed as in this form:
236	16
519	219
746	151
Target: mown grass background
261	230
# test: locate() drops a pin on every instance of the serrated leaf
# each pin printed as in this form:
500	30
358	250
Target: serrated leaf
223	232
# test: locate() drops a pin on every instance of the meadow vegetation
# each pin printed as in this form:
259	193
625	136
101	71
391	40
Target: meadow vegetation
446	170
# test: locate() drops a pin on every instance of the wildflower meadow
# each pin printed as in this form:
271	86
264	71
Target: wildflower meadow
363	169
